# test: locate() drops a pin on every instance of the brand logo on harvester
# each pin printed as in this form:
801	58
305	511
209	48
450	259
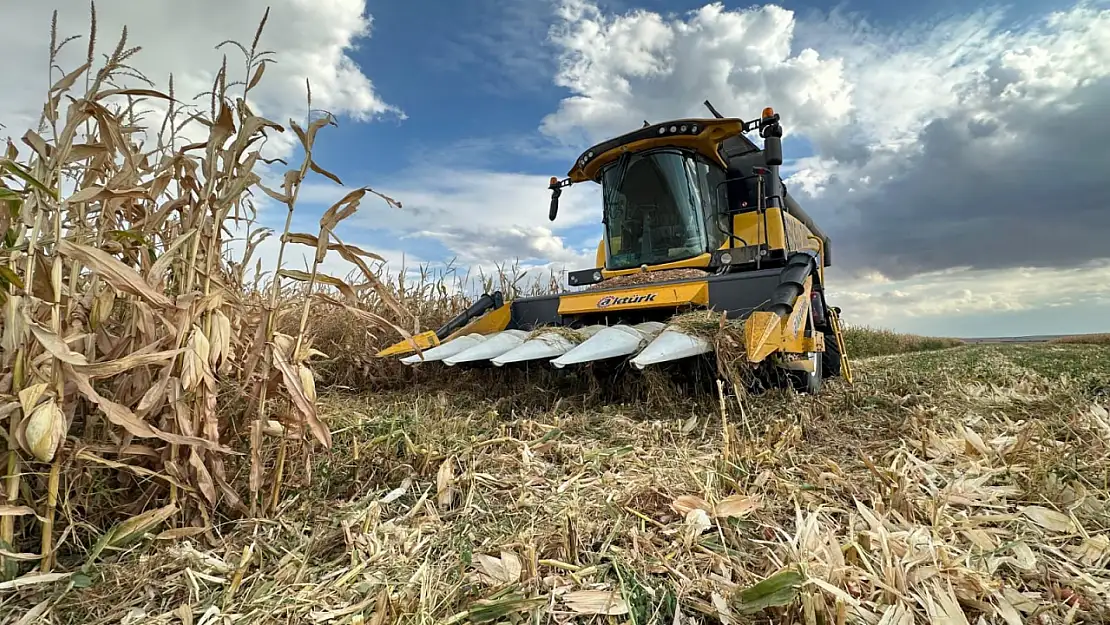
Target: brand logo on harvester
610	300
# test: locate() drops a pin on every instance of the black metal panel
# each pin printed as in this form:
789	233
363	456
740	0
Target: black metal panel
740	255
740	294
530	312
583	277
647	132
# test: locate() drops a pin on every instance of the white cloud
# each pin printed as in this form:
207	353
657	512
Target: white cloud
311	40
483	217
624	69
965	302
961	142
963	291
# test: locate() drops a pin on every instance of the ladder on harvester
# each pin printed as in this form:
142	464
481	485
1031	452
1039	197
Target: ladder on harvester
845	364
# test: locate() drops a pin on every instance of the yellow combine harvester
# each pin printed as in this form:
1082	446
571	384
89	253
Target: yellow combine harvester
695	217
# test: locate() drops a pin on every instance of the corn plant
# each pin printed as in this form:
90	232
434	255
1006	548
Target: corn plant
127	321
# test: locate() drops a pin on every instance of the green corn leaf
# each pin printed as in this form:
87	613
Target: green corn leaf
778	590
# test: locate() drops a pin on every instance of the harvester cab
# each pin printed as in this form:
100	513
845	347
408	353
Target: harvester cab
694	216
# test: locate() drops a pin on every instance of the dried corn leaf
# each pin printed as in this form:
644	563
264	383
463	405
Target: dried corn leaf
596	602
305	406
126	363
107	93
120	276
737	506
500	571
1006	610
684	504
29	397
1091	550
154	276
33	579
445	480
1049	519
8	510
67	81
203	477
322	278
53	344
312	241
122	416
221	338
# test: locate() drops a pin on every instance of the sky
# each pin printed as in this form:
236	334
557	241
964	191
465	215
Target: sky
958	158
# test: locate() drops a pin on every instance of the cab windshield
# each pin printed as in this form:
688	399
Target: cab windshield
658	208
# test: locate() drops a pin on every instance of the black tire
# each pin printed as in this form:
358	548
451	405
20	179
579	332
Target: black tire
830	359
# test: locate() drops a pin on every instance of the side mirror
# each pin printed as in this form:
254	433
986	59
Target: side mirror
772	150
554	210
556	190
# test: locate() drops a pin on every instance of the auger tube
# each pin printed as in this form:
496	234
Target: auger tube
791	283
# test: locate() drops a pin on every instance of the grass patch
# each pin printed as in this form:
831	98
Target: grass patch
864	342
1083	339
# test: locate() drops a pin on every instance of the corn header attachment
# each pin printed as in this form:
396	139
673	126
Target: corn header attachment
695	218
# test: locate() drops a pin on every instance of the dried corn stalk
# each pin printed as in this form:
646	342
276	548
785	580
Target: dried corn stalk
123	322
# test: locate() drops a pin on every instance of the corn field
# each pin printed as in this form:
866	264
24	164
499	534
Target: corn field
135	343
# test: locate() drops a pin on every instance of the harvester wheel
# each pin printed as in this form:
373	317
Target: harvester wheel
806	382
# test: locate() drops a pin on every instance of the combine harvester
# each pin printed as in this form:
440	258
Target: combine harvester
695	217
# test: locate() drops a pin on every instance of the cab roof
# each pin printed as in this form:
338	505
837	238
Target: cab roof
717	139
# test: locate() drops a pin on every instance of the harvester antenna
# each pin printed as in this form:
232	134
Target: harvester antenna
713	110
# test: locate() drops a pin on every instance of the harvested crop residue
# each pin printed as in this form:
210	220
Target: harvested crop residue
930	491
649	277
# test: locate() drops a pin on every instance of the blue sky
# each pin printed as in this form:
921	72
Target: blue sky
462	111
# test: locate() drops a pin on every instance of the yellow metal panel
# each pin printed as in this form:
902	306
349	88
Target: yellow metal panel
793	329
750	228
766	333
599	259
424	340
493	321
762	335
634	298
